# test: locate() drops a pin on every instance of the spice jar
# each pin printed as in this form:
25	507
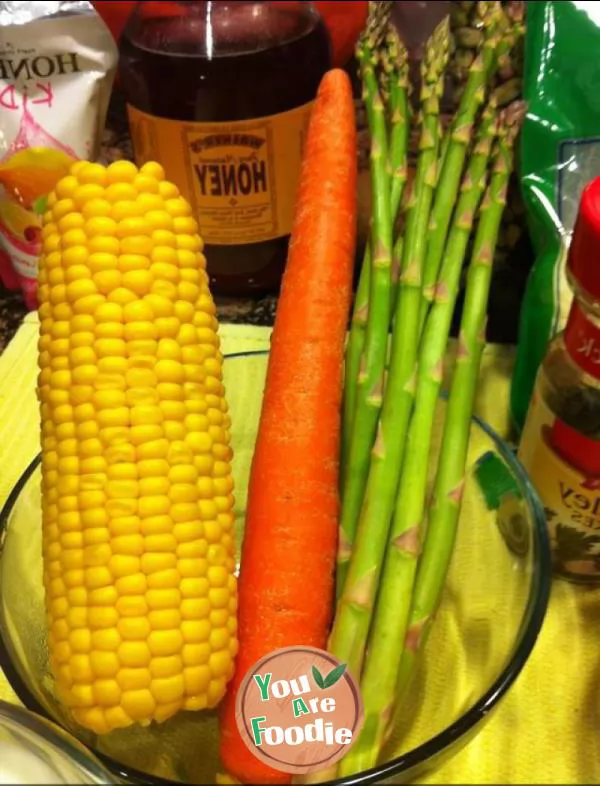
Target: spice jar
220	94
560	445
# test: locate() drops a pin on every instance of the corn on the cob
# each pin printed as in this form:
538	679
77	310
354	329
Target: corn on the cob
138	539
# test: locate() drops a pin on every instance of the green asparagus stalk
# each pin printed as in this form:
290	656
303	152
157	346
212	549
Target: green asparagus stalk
509	85
396	263
366	55
354	350
460	134
390	620
377	21
449	481
395	66
460	13
515	21
369	393
462	62
357	597
394	61
508	92
468	38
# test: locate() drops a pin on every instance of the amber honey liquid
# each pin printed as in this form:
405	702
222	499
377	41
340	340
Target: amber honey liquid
235	67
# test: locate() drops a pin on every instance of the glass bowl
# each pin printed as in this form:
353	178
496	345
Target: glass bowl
34	750
490	615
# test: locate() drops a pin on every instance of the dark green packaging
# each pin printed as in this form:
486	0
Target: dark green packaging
559	155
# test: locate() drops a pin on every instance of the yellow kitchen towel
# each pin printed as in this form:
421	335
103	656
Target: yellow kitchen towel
546	729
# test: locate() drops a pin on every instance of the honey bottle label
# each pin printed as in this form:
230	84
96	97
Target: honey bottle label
241	177
563	466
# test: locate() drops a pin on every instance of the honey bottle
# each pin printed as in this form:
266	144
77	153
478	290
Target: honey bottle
220	94
560	444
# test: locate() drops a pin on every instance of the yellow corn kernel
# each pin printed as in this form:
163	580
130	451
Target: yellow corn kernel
139	704
152	169
132	606
121	192
134	628
116	718
91	173
130	679
146	183
134	654
165	579
136	459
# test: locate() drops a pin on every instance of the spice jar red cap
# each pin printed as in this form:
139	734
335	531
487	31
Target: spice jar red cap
584	255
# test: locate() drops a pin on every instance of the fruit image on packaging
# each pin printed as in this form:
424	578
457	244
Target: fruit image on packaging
29	169
18	225
32	173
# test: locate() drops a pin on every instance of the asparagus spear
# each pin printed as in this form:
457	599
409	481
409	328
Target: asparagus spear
449	481
396	263
509	66
354	350
460	13
509	85
369	391
467	40
460	134
395	65
358	593
371	41
392	610
378	18
394	61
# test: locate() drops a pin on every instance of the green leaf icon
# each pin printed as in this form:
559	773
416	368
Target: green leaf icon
334	676
318	677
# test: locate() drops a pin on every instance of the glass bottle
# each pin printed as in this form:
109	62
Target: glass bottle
220	94
560	445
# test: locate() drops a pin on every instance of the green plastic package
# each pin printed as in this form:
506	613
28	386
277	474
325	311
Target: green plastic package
559	155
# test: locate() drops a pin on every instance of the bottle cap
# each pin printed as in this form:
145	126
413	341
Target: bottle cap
584	255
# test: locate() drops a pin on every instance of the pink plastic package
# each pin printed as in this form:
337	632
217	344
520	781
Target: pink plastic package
57	65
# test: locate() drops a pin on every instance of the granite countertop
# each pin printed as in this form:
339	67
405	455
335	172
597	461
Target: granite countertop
509	280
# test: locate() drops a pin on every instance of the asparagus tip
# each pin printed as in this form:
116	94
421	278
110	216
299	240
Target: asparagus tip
512	117
516	12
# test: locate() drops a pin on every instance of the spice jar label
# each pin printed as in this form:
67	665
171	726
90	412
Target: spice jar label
582	340
241	177
563	466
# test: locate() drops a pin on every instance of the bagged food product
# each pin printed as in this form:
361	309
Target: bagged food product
57	65
560	154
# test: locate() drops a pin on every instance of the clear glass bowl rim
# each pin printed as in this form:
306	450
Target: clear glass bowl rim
531	625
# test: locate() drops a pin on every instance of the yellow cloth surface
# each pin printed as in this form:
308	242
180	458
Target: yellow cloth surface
545	731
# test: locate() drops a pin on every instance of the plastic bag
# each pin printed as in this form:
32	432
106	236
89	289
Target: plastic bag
560	153
57	65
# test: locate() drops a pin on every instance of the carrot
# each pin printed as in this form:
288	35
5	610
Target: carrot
286	584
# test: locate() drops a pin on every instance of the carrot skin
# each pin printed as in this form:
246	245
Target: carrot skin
286	585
